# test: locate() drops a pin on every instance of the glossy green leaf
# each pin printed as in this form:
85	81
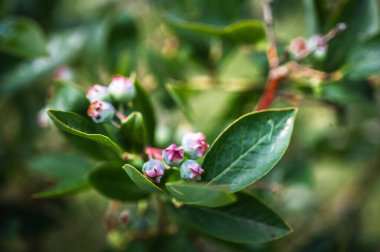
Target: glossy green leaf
143	104
248	220
110	180
22	37
249	148
69	97
133	132
241	32
80	126
360	27
200	194
140	180
66	170
364	61
61	49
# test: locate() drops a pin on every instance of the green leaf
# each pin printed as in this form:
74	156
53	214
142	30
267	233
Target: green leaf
181	95
200	194
69	97
140	180
347	91
193	99
311	15
78	125
245	32
67	171
143	104
249	148
22	37
241	32
360	27
133	132
61	48
111	181
246	221
364	60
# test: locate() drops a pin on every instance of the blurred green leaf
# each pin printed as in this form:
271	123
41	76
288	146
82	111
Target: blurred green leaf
121	41
347	91
69	97
200	194
22	37
140	180
241	32
247	220
143	104
133	132
312	17
61	49
110	180
249	148
365	23
68	170
245	32
181	95
244	66
76	124
364	60
227	103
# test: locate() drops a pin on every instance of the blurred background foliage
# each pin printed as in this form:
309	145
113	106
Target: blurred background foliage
207	59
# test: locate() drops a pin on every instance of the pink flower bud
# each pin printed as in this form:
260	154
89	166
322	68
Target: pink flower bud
122	89
43	119
97	92
319	44
191	170
194	145
299	47
101	111
63	73
173	155
153	152
154	169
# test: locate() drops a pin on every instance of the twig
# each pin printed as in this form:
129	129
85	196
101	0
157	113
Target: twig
121	116
115	124
278	73
326	38
274	79
269	28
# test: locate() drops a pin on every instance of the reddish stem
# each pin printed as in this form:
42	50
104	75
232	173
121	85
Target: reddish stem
269	94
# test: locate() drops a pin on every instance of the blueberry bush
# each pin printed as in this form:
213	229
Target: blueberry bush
234	125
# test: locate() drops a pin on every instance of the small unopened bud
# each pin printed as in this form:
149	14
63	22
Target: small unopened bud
341	26
173	155
318	44
63	73
43	119
122	89
101	111
194	145
191	170
299	47
154	169
97	92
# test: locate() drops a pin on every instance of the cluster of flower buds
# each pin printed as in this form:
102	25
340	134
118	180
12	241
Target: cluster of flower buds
301	47
193	147
121	89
